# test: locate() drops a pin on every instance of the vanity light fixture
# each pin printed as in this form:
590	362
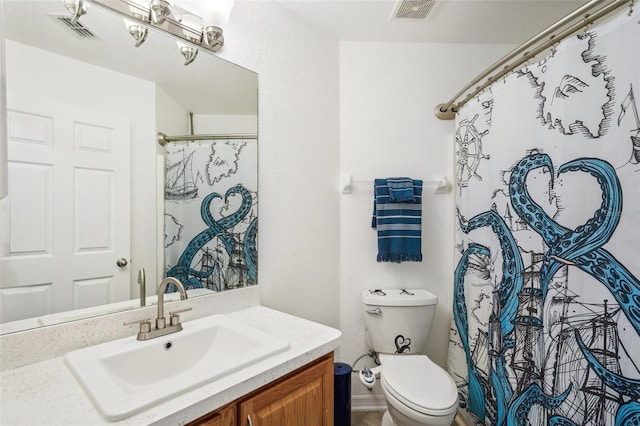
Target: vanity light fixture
215	15
195	31
189	52
191	31
160	11
212	37
137	31
77	8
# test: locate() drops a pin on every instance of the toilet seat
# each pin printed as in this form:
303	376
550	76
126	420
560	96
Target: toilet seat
420	384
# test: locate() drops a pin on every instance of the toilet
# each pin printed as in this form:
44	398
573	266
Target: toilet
417	391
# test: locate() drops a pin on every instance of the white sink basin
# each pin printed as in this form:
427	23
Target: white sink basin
126	376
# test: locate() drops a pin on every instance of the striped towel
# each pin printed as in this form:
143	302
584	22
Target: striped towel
399	225
401	190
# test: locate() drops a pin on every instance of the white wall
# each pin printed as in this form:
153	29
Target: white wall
298	156
225	124
363	108
388	92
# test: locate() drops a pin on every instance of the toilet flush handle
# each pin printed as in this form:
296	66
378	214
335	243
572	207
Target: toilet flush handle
376	311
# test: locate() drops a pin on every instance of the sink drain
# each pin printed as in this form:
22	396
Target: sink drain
168	345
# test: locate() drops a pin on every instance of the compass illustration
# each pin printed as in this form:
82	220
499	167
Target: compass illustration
469	153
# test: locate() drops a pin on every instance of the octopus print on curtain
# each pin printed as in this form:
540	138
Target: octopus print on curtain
546	327
211	214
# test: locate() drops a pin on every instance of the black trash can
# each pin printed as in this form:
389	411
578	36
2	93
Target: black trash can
341	394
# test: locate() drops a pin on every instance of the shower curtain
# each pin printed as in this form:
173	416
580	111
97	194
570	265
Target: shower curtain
546	313
211	214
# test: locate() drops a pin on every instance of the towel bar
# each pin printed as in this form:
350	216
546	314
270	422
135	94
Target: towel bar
442	185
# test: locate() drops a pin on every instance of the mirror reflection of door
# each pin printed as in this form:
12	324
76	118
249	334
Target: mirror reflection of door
65	222
104	76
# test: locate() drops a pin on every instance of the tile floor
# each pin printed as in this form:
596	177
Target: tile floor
366	418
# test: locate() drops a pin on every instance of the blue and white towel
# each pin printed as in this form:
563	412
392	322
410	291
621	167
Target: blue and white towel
399	225
401	190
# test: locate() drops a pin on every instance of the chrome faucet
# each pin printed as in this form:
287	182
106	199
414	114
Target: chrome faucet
142	282
160	321
162	328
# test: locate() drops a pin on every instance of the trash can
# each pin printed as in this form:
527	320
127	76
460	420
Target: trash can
341	394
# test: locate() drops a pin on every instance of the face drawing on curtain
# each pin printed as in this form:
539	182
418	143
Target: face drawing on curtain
546	306
562	95
211	220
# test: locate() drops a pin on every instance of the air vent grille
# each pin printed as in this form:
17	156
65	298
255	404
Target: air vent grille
413	9
78	28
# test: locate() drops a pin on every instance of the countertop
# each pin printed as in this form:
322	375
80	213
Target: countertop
46	392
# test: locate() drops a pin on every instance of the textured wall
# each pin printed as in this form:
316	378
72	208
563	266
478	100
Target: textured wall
298	156
387	128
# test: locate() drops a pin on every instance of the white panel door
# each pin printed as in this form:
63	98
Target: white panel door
66	220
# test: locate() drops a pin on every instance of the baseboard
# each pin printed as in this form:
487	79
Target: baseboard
370	402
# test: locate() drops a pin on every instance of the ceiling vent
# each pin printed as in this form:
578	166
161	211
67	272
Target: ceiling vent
77	28
413	9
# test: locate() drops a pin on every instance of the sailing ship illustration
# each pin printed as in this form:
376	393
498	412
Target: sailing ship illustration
221	270
211	264
630	102
179	181
546	351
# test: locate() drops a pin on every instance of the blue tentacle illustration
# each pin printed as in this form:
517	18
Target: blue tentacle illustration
250	249
522	202
623	385
582	246
510	285
476	392
598	229
207	218
182	270
512	264
628	414
560	421
533	395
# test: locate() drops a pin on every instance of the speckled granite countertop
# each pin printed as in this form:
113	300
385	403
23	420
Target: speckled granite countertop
46	393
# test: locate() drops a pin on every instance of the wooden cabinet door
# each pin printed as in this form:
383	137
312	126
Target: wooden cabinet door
305	398
225	416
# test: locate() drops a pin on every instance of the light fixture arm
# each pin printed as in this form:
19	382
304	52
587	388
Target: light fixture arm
77	8
160	11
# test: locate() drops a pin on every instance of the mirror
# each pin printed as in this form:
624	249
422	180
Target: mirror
84	107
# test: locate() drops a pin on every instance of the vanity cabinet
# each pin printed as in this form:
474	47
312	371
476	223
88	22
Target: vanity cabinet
225	416
303	397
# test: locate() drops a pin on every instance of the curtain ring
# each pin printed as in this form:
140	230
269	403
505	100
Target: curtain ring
586	28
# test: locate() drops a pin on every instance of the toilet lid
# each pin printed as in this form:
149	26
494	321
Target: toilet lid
419	383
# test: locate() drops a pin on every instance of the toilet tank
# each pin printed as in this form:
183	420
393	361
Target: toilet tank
398	320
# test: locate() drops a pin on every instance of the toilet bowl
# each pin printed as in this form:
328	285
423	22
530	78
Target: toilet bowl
418	392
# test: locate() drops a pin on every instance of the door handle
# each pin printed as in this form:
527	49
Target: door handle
249	422
122	262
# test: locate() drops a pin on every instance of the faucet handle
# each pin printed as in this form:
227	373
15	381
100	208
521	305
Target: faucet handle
174	318
145	324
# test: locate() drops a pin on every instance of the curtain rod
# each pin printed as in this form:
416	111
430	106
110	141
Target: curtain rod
163	139
528	50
